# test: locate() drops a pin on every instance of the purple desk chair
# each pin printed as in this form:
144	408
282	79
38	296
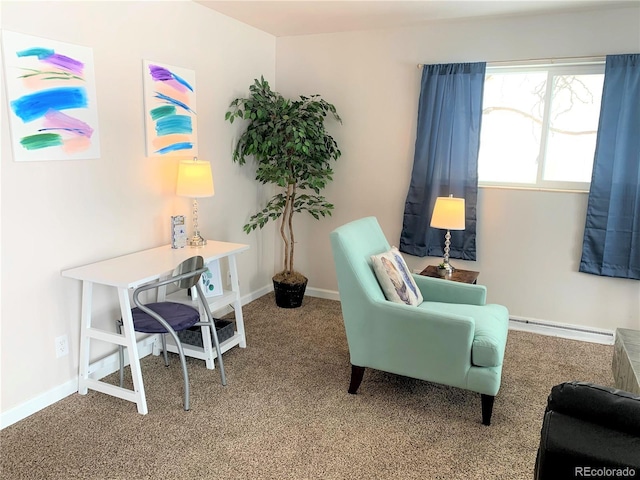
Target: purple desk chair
172	317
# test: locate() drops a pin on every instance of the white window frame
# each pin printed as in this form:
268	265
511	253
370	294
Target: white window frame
582	66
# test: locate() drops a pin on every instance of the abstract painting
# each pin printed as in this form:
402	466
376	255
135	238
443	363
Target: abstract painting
211	281
170	110
52	99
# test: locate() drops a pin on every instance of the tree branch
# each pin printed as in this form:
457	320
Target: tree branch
536	120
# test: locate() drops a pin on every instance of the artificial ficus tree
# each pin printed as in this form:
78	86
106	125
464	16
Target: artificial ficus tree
292	149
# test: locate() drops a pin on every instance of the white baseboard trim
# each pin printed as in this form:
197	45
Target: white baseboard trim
322	293
562	330
99	369
256	294
38	403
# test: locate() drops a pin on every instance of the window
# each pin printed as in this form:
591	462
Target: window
539	125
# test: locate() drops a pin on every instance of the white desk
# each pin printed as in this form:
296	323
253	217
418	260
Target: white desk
128	272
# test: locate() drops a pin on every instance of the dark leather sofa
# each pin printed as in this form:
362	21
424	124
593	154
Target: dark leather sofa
589	431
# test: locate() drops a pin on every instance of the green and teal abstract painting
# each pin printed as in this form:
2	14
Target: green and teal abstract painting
170	110
52	100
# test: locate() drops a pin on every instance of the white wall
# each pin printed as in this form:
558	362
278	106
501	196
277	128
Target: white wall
62	214
529	243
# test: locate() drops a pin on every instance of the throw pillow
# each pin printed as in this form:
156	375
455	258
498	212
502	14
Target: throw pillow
395	279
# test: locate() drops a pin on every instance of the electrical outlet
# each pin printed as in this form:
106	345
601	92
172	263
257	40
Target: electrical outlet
229	278
62	346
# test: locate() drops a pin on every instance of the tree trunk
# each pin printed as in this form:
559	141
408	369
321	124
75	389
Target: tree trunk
288	206
291	236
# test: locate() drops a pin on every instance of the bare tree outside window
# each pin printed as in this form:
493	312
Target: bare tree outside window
539	127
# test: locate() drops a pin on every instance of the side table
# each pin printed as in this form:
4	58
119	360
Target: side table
458	275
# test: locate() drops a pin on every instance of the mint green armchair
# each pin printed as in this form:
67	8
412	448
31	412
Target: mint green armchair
453	337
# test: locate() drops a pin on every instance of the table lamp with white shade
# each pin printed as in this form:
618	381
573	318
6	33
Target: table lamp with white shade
195	181
448	213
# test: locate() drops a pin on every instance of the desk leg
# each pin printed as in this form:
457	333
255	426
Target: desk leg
87	298
237	304
209	351
132	346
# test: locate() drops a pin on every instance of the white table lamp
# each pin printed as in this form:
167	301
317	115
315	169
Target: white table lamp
195	181
448	213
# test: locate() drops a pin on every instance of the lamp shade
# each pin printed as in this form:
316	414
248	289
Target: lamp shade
194	179
448	213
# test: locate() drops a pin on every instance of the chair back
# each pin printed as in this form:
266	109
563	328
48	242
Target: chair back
188	266
184	276
352	245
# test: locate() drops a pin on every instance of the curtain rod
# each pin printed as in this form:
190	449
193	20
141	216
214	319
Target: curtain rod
584	59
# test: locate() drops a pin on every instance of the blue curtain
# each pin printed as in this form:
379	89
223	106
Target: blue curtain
446	158
611	244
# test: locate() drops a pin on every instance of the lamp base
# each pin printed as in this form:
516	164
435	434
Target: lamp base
196	241
448	268
447	243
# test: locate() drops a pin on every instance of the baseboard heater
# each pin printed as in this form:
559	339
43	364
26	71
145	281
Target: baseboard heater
564	330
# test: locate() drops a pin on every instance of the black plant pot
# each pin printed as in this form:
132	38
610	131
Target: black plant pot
289	295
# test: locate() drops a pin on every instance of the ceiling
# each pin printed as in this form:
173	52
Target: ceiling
304	17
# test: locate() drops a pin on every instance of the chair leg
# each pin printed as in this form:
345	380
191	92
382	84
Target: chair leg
120	354
171	332
183	361
357	373
487	408
185	374
164	349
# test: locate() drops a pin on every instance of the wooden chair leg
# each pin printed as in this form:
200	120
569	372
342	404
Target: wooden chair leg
356	378
487	408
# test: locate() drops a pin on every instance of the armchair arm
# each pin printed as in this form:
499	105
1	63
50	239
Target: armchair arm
593	403
438	290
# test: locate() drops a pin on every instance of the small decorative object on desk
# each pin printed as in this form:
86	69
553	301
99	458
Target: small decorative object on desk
178	232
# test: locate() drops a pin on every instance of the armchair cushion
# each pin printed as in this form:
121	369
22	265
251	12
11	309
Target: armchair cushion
395	279
490	332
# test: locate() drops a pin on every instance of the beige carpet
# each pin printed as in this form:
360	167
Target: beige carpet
286	414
